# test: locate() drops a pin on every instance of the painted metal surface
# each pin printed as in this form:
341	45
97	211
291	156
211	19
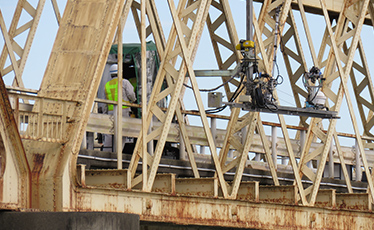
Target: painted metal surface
14	170
41	172
219	212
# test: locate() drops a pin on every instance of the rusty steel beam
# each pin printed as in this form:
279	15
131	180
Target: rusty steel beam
204	211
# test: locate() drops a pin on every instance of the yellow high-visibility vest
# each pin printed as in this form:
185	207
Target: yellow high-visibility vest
133	83
111	92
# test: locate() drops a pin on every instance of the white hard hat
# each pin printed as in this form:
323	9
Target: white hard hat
113	69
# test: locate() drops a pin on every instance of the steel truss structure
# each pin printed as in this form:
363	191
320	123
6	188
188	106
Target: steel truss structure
38	164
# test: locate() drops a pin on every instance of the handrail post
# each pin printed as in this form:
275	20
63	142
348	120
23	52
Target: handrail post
84	141
202	149
309	164
213	128
40	118
358	162
150	145
331	163
244	134
274	139
182	147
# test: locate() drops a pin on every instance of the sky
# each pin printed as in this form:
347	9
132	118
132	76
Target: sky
45	35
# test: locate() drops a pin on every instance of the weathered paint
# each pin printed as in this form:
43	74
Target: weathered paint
15	171
49	163
219	212
73	73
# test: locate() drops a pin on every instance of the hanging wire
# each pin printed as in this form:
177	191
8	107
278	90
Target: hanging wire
279	76
237	92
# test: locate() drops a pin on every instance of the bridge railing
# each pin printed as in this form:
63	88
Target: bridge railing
40	118
131	127
36	121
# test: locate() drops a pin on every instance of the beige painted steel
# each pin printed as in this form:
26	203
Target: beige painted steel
218	212
15	30
118	141
73	73
334	59
145	128
196	28
200	187
14	168
285	194
326	198
61	115
357	201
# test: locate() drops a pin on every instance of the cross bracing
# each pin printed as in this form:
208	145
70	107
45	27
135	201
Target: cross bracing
59	115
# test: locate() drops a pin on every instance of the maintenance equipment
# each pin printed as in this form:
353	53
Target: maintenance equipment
259	93
307	175
316	98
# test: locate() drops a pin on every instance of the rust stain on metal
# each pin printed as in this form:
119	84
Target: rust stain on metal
181	211
160	190
285	201
38	160
117	185
323	204
343	205
199	194
217	212
357	207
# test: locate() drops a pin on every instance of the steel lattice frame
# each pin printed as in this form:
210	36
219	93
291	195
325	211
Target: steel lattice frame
341	42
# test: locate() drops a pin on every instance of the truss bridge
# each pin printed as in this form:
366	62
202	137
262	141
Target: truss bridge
256	150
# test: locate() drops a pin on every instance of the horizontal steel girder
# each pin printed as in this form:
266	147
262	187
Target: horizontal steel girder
218	212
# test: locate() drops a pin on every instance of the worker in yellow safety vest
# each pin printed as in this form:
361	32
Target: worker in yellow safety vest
111	93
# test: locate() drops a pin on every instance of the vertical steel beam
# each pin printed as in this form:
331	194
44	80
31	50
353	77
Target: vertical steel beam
182	148
118	133
144	96
331	162
213	128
